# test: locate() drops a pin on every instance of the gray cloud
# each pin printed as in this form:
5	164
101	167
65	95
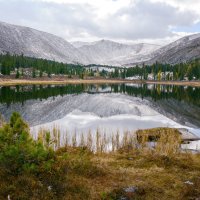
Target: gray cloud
140	20
147	20
66	20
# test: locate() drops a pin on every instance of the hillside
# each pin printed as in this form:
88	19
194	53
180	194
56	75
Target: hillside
30	42
33	43
182	50
113	53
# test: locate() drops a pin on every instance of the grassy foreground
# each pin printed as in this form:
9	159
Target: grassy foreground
57	80
32	170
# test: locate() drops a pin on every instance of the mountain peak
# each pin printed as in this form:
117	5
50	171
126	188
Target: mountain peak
182	50
33	43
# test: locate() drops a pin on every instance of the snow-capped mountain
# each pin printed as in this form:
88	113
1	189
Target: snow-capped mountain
79	44
113	53
17	40
182	50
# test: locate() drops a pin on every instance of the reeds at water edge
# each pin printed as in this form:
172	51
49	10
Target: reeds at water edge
164	141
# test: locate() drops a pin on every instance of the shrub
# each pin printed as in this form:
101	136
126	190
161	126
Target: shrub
18	151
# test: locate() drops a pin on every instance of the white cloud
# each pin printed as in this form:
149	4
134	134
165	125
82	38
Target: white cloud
182	4
139	20
145	19
102	7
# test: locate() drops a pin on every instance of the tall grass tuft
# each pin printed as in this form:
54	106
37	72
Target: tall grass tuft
74	140
164	141
89	140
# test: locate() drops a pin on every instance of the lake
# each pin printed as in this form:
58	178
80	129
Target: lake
109	108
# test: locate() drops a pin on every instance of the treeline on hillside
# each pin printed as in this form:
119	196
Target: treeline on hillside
10	63
158	71
41	67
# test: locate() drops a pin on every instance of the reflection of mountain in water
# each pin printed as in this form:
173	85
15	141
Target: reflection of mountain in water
103	105
41	104
179	111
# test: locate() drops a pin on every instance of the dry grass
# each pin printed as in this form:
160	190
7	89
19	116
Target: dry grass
86	175
161	171
89	171
156	176
9	82
166	141
59	81
2	121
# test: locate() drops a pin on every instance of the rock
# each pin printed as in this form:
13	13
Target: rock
49	187
128	192
130	189
189	183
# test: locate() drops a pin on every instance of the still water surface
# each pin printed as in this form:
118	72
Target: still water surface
79	108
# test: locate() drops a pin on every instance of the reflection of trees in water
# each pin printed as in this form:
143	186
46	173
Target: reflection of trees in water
14	94
159	92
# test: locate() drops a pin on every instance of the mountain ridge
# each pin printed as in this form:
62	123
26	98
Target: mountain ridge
33	43
182	50
110	52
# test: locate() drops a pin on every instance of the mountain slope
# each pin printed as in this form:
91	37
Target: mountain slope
79	44
17	40
113	53
182	50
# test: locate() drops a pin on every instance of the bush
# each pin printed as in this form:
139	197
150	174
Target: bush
24	163
18	151
31	170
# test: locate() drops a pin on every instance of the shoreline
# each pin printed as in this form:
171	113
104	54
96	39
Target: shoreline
56	81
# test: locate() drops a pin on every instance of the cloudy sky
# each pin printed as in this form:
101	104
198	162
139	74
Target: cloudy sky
154	21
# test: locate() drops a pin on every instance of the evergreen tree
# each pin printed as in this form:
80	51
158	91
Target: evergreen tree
41	73
17	74
33	73
49	74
